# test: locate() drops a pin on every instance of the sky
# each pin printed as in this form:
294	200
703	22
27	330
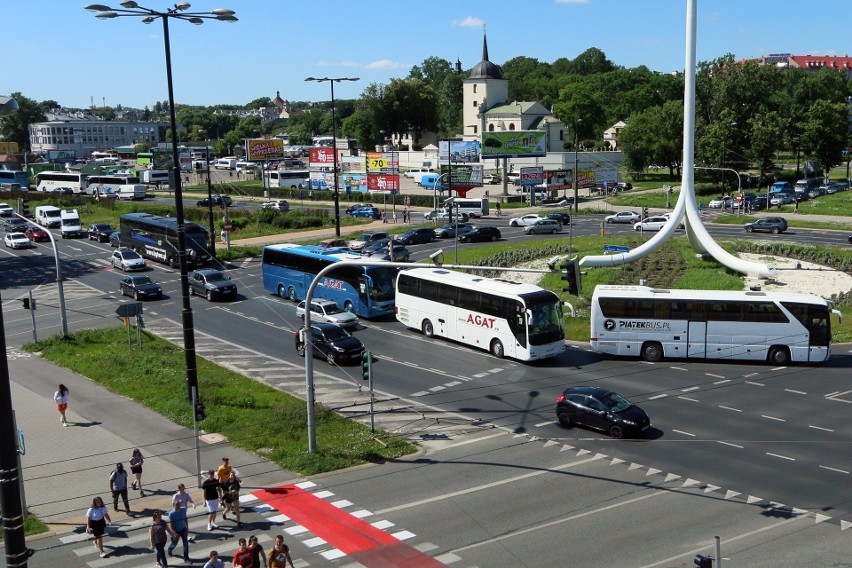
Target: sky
56	50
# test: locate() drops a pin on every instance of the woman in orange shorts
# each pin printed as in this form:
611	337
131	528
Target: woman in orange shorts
61	398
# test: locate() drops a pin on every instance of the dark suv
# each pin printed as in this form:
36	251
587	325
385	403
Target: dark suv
211	284
332	342
481	234
100	232
416	236
772	225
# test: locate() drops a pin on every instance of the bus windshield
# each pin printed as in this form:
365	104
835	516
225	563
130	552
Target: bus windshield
383	282
545	318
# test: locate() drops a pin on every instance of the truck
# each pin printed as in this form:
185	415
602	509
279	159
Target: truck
133	192
70	225
227	163
48	216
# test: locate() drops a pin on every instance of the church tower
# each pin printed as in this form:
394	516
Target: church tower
482	90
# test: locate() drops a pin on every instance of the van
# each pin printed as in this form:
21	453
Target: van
69	223
415	173
48	216
428	181
781	186
804	186
228	163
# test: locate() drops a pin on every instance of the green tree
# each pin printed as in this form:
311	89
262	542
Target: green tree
16	126
825	131
766	139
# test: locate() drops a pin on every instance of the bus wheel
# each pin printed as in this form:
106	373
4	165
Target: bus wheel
280	290
564	419
652	352
347	305
497	348
779	356
291	294
427	328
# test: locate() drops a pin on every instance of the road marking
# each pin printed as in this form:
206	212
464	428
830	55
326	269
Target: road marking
730	408
689	399
729	444
540	424
780	456
750	375
795	391
778	369
755	384
678	369
772	418
714	375
658	396
722	382
684	433
689	389
820	428
834	469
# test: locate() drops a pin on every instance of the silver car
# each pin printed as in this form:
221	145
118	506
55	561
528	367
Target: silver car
328	311
623	217
127	259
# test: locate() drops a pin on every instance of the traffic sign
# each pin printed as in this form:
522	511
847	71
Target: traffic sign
129	310
616	248
227	227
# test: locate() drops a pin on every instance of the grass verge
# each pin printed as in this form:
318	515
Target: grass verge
252	416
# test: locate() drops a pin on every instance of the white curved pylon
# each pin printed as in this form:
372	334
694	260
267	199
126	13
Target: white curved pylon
686	205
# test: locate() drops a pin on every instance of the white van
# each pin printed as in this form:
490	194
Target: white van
70	225
227	163
416	173
48	216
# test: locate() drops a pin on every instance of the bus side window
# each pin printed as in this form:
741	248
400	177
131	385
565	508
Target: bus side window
362	287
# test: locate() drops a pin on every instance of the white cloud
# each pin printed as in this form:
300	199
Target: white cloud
469	22
385	64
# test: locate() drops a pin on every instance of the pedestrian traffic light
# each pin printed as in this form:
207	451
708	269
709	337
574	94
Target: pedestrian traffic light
703	561
26	302
367	365
511	167
199	411
572	276
644	212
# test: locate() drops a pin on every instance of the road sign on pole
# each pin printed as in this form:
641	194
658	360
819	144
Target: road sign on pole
616	248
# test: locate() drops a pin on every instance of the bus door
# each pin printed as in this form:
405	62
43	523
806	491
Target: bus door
696	340
362	290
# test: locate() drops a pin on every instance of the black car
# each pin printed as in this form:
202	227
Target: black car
373	247
217	200
481	234
400	254
15	224
211	284
115	239
772	225
601	409
331	341
100	232
416	236
449	230
139	287
563	218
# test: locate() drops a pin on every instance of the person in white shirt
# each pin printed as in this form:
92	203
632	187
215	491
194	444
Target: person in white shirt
61	399
97	517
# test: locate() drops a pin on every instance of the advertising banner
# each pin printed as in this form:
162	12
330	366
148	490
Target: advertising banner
383	182
517	144
161	158
460	151
353	182
464	175
321	157
531	176
384	162
56	156
263	149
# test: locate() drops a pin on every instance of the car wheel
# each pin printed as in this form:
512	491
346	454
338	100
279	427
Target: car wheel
778	356
432	239
652	352
609	221
291	294
330	359
564	418
513	224
749	229
347	305
497	348
775	230
554	231
136	296
209	295
493	238
427	328
300	349
616	432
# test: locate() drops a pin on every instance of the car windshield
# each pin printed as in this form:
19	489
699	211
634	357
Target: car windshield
333	333
217	277
142	280
614	402
331	309
363	238
130	254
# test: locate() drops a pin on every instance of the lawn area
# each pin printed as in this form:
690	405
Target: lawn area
250	415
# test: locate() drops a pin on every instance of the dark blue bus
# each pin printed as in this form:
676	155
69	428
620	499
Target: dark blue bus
156	238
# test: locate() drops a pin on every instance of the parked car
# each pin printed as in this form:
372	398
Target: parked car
623	217
139	287
400	254
332	243
217	200
721	202
651	223
352	208
449	230
36	234
328	311
834	187
100	232
543	226
63	191
760	202
624	185
128	259
480	234
16	241
416	236
601	409
371	212
491	179
332	342
211	284
277	204
528	219
563	218
375	246
772	225
365	238
781	198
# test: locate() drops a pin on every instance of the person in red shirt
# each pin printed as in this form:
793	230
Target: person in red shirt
243	557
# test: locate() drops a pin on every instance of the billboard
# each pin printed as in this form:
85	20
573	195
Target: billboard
55	156
384	162
463	175
321	157
531	176
383	182
517	144
264	149
460	151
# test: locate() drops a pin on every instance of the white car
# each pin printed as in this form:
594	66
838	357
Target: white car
277	204
127	259
651	224
328	311
721	202
525	220
16	241
623	217
6	210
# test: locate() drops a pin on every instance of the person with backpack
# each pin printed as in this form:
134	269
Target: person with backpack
279	554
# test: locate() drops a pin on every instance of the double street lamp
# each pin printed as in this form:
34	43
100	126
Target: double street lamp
129	8
331	81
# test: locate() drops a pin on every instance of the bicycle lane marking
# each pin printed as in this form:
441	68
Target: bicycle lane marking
349	534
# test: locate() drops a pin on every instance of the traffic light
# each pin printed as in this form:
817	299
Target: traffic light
26	302
511	167
572	276
367	365
199	411
644	212
23	207
703	561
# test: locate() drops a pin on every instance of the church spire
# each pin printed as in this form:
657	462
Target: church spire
484	44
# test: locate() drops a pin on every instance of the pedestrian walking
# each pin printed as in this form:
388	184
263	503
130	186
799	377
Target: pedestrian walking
279	554
796	206
231	498
118	486
182	497
136	461
215	561
499	212
224	471
97	518
211	487
394	217
384	218
61	399
159	536
405	216
179	529
242	557
258	557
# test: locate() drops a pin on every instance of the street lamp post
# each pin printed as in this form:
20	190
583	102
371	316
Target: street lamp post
179	12
576	166
331	81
